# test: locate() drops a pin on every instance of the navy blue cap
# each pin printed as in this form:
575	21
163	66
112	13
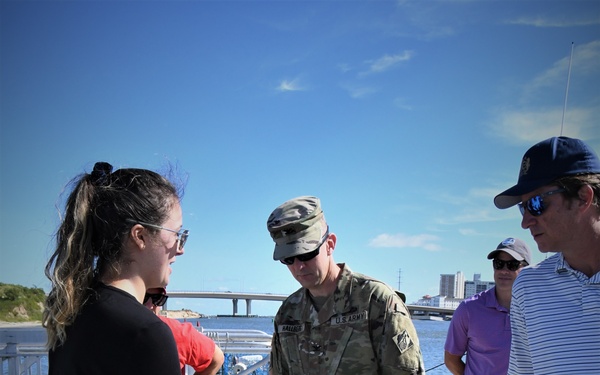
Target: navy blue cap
546	162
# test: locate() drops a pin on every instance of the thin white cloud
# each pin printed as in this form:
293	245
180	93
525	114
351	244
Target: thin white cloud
401	103
290	85
541	21
424	20
422	241
468	232
529	126
468	216
344	68
530	123
358	92
387	62
472	207
584	63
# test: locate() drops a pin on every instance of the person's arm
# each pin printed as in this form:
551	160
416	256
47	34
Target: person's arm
454	363
457	340
215	364
195	349
398	350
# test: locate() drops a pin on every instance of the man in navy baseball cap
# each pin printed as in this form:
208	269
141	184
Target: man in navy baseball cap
555	304
546	162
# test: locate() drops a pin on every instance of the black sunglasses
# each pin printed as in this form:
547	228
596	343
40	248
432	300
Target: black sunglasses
307	256
158	299
512	265
535	205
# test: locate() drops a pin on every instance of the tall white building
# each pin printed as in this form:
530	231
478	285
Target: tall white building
460	285
452	286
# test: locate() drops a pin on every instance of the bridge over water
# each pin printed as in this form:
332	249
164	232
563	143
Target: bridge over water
249	297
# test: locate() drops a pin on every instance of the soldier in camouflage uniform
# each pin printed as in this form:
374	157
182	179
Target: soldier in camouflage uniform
339	322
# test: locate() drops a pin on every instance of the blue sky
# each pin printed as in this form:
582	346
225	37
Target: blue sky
404	117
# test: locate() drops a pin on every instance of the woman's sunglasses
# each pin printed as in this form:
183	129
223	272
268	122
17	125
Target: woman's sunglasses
182	235
307	256
158	299
535	205
512	265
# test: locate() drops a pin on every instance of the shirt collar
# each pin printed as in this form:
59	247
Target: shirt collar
562	266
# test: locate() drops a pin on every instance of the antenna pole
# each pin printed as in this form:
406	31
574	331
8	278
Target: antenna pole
399	277
567	90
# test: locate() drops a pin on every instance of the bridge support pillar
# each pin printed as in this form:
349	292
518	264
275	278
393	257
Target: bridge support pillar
235	310
248	307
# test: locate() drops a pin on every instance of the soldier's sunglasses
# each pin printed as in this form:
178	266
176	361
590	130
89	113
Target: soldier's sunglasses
306	256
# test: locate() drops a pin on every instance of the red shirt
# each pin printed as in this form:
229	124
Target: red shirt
195	349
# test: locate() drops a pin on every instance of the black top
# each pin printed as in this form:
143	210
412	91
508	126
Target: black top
115	334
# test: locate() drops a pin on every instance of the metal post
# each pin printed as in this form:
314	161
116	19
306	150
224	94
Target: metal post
235	310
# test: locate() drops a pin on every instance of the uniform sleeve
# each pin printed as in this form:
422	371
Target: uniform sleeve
276	363
397	341
458	332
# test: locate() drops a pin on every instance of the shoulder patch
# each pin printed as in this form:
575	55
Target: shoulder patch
403	341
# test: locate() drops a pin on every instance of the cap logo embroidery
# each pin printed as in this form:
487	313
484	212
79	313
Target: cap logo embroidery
525	164
508	241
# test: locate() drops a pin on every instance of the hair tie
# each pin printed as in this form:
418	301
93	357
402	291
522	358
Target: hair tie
101	174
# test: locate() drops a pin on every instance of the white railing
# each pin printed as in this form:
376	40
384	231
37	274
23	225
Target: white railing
21	361
23	352
244	341
253	344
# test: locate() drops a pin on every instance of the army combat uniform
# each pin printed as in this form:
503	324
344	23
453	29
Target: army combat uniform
364	328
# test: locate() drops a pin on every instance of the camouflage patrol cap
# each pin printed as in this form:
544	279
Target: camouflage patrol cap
297	227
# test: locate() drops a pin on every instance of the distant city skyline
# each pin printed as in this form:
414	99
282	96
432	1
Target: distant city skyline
454	288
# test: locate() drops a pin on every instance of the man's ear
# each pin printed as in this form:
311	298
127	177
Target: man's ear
586	197
331	241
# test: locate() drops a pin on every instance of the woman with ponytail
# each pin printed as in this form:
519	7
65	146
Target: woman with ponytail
119	234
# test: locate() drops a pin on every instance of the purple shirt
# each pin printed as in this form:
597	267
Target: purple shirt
481	328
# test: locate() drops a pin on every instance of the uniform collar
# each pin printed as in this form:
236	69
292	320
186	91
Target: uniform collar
337	303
